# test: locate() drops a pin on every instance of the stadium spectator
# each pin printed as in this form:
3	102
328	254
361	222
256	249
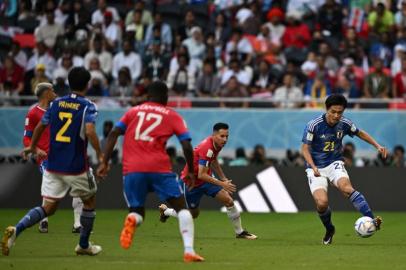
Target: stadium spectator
99	15
195	46
330	17
380	19
111	31
107	128
263	83
127	58
39	76
222	31
146	16
61	87
97	50
185	30
41	56
50	31
398	157
399	82
235	70
12	75
123	86
352	72
138	30
352	47
66	66
396	65
258	156
181	81
233	88
350	158
208	83
317	88
400	16
156	64
240	158
20	57
241	46
377	83
275	18
296	37
288	95
164	30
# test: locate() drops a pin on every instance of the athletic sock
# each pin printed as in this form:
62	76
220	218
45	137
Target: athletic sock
186	228
86	220
235	218
32	217
170	212
361	204
325	217
77	206
138	218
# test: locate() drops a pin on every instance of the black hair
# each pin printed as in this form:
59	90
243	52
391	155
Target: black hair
78	79
219	126
336	99
158	92
240	152
399	148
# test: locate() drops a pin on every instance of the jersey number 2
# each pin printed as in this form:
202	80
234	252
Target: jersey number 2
144	136
59	136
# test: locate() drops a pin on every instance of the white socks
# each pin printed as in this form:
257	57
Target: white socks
186	228
77	206
235	218
138	218
170	212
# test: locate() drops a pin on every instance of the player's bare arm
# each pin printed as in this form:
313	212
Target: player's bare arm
309	159
216	167
188	153
90	131
226	185
103	168
363	135
32	148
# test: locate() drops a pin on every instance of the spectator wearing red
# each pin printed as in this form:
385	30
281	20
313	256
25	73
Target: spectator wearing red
13	75
399	82
275	18
296	38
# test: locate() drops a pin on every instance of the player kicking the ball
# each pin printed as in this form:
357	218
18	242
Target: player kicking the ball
205	160
322	149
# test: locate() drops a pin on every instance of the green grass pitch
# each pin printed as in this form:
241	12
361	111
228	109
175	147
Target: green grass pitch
286	241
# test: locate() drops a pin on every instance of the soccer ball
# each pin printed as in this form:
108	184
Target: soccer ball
365	227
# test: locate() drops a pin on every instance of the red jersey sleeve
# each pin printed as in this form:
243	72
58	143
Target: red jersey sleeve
180	127
30	124
205	155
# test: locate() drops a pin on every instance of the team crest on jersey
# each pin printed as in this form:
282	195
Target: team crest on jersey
309	136
340	134
209	153
353	128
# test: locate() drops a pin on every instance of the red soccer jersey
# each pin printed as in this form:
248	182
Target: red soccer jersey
203	154
147	128
33	117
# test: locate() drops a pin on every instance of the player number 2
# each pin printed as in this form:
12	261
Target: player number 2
144	136
59	136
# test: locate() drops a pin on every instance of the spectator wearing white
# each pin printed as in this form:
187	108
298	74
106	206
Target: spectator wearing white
275	25
127	58
66	66
112	31
146	16
195	45
234	70
165	30
20	57
41	56
104	56
77	60
98	15
49	32
287	95
396	65
241	45
174	63
181	82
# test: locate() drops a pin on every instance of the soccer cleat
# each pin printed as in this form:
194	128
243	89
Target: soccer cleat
378	221
9	237
246	235
328	237
192	257
91	250
162	216
76	229
43	226
126	237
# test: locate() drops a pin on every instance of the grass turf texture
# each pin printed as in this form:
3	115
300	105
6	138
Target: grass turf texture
286	241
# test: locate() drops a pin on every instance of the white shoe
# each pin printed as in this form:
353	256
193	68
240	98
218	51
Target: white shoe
92	250
9	238
162	216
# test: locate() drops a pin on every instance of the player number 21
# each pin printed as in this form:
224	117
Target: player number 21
144	136
59	136
328	146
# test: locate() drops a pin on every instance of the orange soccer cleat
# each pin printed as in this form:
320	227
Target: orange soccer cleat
192	257
127	233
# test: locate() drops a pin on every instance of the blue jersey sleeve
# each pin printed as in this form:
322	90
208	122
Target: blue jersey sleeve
308	135
351	129
91	113
47	116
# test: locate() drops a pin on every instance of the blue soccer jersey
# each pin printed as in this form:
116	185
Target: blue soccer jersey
325	141
67	117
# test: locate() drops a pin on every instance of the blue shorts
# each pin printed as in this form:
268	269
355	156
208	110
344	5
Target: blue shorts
137	185
194	196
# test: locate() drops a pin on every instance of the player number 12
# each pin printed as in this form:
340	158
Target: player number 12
144	136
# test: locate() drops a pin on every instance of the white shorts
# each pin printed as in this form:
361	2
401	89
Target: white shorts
55	186
332	173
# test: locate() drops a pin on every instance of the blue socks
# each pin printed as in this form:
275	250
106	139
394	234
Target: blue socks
325	217
361	204
86	220
33	216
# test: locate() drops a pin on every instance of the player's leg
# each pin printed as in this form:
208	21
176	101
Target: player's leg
77	206
167	188
318	187
85	187
135	192
232	212
43	224
342	181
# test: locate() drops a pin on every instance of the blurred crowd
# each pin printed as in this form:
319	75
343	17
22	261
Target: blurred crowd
292	52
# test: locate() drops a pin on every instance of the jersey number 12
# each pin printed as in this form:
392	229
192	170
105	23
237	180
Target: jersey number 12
144	136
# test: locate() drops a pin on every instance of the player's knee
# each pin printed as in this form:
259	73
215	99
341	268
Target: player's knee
229	202
322	205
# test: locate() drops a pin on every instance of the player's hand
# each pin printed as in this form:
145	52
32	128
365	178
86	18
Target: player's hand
26	152
316	172
229	187
383	151
41	154
102	170
192	180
